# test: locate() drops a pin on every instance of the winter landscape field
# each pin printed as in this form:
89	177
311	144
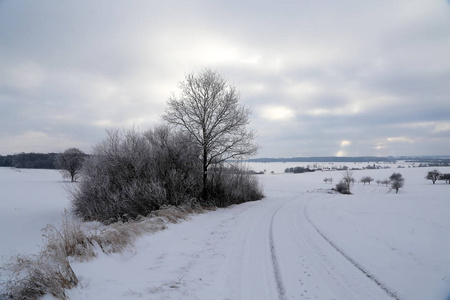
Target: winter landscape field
300	242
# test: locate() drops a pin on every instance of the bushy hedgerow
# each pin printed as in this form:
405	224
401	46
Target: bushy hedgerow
131	174
233	185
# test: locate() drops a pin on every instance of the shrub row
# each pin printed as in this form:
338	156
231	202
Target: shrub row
131	174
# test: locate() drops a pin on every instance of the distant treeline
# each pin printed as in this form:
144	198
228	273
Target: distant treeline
432	162
47	160
29	160
297	170
437	160
327	159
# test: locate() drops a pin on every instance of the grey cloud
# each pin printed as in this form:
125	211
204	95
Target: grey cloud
348	70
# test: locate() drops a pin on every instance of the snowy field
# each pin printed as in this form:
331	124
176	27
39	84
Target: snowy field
300	242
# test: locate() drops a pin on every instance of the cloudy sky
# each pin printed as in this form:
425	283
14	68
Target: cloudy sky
323	78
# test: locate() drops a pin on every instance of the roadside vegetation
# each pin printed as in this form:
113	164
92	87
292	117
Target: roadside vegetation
183	162
135	182
50	271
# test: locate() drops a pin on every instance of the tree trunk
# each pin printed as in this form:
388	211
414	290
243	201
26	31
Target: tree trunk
205	176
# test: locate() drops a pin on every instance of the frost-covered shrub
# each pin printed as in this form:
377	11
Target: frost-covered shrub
233	185
132	174
116	180
342	188
176	164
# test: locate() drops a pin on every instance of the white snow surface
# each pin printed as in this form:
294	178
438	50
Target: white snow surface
300	242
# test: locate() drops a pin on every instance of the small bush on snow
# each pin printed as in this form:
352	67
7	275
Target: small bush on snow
341	187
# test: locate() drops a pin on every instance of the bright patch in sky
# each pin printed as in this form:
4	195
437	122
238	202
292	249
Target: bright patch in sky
277	113
345	143
341	153
442	127
401	139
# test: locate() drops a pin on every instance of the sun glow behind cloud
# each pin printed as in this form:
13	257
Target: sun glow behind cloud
400	139
345	143
277	113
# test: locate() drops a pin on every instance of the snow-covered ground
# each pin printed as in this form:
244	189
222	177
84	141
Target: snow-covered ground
300	242
29	200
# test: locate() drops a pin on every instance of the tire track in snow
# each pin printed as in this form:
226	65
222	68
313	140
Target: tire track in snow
280	286
254	262
352	261
322	275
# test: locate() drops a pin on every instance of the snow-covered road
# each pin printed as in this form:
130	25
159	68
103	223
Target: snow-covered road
269	249
279	254
261	250
313	268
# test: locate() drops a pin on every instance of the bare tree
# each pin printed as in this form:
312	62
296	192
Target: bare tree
445	177
433	175
366	179
326	180
348	180
385	182
208	110
397	184
70	162
397	181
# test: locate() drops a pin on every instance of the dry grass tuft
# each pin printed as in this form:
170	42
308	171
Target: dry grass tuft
36	275
49	272
70	240
172	214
